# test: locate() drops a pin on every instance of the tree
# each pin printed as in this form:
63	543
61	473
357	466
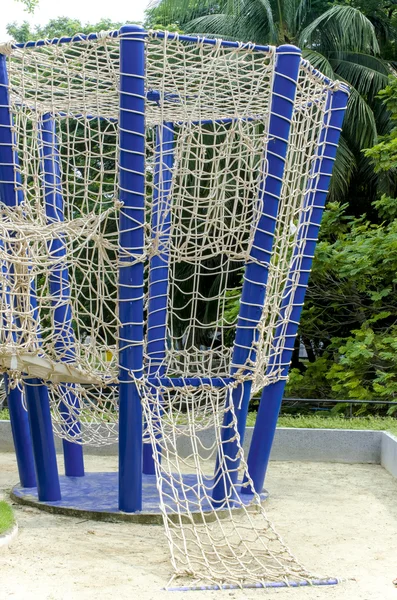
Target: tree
30	5
340	40
350	316
55	28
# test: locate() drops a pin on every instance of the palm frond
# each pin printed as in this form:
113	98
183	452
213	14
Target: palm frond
222	25
359	126
384	27
382	117
255	24
268	10
301	12
319	61
344	167
341	28
164	12
368	74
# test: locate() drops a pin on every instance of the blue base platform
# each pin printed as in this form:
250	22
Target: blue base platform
95	496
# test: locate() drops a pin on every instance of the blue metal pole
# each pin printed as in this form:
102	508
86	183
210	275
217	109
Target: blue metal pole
131	290
21	436
158	267
64	339
37	400
269	408
256	272
18	415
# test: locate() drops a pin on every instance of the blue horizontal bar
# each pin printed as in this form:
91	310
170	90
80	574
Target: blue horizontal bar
324	78
190	381
266	584
80	37
172	36
172	382
212	41
158	34
225	121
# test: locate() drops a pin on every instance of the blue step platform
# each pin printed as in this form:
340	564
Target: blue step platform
95	496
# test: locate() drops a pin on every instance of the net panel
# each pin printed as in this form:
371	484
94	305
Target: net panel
221	166
202	208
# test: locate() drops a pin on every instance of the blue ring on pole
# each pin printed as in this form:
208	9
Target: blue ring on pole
257	269
59	287
131	273
37	400
269	407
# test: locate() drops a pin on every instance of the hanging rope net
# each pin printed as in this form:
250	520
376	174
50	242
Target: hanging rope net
207	138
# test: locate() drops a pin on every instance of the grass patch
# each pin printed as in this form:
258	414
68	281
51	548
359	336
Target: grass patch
332	422
4	415
6	517
324	421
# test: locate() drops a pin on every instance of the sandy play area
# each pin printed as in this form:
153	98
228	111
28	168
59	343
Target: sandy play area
340	520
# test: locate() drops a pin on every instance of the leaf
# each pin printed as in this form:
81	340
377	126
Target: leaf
319	61
359	125
344	168
341	28
366	73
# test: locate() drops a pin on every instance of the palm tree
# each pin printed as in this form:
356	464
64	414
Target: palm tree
339	40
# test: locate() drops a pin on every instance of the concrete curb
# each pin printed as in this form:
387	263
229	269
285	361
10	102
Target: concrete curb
7	538
389	453
314	445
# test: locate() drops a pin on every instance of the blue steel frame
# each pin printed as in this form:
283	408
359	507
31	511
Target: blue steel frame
257	270
18	415
131	283
270	403
36	393
131	278
21	435
158	267
60	288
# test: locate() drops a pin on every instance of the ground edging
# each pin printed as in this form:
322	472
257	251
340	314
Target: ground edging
290	444
389	453
7	538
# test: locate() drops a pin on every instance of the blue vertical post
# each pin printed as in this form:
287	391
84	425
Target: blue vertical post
131	273
37	400
158	266
257	269
60	289
21	435
18	415
269	408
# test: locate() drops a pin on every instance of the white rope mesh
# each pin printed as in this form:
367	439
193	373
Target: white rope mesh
215	102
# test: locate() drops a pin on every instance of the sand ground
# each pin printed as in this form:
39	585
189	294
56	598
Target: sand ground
339	520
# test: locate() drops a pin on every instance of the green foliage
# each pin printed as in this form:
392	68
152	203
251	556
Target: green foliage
59	27
6	517
30	5
341	28
351	309
384	154
365	366
349	322
327	421
311	382
321	420
342	40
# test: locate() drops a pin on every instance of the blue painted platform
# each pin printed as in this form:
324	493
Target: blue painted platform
95	496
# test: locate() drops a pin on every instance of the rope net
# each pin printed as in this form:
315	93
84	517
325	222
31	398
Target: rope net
207	110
